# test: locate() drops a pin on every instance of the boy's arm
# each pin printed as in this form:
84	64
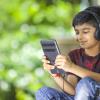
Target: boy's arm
82	72
68	84
67	65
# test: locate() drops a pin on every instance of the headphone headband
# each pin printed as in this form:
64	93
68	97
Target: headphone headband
95	16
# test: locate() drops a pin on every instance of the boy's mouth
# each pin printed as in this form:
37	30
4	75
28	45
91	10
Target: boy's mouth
82	42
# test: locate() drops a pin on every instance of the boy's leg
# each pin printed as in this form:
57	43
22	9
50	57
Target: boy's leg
47	93
97	97
86	89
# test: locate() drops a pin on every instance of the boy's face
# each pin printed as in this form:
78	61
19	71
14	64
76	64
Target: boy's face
85	35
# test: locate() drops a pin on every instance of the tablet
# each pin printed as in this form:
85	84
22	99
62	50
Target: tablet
51	50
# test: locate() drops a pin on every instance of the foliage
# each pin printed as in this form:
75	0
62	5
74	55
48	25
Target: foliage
22	24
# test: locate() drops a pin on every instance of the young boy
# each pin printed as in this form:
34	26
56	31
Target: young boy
83	64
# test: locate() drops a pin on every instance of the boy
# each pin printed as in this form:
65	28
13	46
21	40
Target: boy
83	64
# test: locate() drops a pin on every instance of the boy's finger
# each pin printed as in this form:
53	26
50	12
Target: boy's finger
48	67
45	61
44	57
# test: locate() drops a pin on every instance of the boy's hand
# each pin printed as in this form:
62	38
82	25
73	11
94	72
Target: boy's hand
46	64
48	67
63	62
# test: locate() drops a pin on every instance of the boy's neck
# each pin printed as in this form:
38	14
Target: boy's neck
93	51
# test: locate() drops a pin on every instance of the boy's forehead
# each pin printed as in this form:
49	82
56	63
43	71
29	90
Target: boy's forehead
83	26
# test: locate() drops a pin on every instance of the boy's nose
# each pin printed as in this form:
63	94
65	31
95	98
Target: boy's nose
80	37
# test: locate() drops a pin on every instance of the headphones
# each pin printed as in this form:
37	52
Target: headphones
97	18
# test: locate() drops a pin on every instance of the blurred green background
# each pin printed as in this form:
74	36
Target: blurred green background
23	23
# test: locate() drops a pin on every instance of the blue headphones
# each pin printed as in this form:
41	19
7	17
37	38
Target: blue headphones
97	18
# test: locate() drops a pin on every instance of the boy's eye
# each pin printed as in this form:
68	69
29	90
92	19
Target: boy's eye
85	32
77	33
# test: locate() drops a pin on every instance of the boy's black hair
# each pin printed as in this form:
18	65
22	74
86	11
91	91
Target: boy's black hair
85	17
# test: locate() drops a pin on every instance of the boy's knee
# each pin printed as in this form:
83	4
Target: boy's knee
44	92
84	83
85	80
83	88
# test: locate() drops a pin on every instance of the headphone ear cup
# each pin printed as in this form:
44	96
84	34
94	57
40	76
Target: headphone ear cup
97	34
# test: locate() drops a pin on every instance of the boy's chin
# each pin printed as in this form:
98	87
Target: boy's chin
84	46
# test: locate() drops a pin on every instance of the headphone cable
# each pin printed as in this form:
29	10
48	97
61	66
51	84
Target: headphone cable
63	76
